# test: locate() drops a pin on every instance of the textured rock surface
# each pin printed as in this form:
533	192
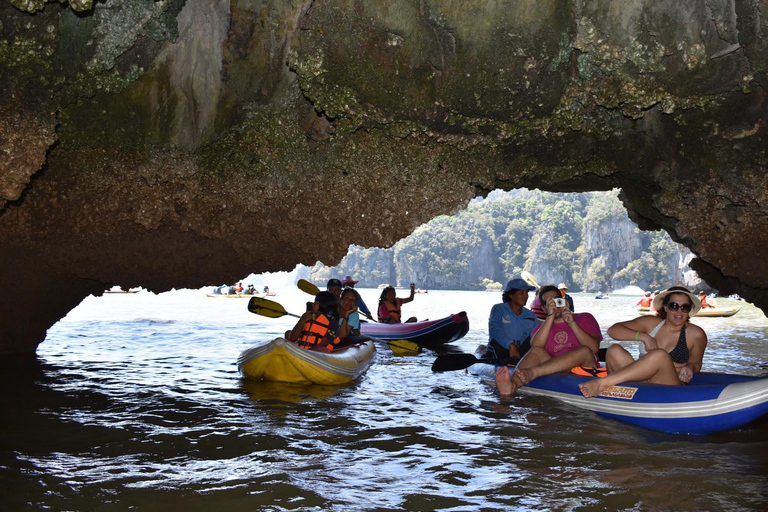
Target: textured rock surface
175	144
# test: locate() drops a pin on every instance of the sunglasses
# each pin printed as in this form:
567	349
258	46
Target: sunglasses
674	306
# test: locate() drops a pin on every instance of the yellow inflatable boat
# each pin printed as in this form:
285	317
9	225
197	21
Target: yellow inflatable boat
282	361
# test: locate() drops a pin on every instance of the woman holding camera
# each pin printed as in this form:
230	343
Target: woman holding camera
671	348
564	340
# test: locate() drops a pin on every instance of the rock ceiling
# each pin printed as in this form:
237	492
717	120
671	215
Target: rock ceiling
177	143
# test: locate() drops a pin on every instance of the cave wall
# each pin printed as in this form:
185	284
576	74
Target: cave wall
179	143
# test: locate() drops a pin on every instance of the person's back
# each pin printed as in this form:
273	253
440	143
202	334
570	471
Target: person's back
319	327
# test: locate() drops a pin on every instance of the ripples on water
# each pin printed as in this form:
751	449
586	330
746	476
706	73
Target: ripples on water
134	401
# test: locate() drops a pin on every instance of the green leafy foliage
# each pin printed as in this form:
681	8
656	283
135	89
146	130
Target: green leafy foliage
583	239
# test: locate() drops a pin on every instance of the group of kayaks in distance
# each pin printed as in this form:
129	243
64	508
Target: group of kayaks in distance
238	292
711	402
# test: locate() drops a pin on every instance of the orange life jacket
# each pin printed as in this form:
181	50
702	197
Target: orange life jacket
391	308
589	371
318	333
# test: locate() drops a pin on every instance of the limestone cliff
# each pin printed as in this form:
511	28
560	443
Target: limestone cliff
177	143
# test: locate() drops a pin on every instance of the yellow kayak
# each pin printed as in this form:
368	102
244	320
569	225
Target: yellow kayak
703	312
283	361
718	311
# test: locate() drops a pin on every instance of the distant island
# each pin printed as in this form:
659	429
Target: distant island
585	240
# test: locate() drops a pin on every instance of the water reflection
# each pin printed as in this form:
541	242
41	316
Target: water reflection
148	411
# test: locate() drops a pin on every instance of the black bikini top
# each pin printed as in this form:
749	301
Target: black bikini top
680	354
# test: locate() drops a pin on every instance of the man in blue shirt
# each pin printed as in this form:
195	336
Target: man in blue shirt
510	324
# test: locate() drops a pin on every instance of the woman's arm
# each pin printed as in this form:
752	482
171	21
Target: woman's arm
296	331
697	344
635	330
410	297
344	328
583	337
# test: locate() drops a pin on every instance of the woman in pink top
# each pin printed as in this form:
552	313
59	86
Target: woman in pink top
563	341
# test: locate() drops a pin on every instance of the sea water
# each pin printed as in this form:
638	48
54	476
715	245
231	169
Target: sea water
134	402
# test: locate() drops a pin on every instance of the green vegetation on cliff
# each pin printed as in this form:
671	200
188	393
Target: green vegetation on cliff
585	240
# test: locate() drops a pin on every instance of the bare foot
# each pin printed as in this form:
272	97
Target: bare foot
504	382
592	388
525	375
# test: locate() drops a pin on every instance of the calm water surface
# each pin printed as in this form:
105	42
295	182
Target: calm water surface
134	402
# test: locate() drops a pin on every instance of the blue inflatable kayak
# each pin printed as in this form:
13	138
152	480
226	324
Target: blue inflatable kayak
712	402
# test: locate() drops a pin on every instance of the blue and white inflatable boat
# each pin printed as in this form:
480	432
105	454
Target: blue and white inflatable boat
712	402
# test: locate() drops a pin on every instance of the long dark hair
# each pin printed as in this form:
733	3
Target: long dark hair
327	303
384	292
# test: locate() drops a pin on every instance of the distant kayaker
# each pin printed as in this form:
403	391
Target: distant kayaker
319	327
564	294
564	340
348	282
389	305
510	324
671	350
706	302
645	301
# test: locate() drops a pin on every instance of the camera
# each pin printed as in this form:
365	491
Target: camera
559	302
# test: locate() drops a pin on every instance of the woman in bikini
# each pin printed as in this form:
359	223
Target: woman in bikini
671	350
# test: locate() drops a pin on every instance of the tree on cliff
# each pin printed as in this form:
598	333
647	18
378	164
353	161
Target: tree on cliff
585	240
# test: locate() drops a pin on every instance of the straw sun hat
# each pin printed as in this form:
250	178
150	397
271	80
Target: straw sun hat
678	288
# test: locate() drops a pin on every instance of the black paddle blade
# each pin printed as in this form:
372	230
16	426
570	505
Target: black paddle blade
451	362
265	307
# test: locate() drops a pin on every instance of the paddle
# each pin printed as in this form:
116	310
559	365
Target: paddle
451	362
268	308
307	287
272	309
528	278
402	347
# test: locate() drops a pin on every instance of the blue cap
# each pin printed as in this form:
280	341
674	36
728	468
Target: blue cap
518	284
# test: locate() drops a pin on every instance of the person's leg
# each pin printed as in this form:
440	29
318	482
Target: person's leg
655	367
507	383
581	356
504	382
617	357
